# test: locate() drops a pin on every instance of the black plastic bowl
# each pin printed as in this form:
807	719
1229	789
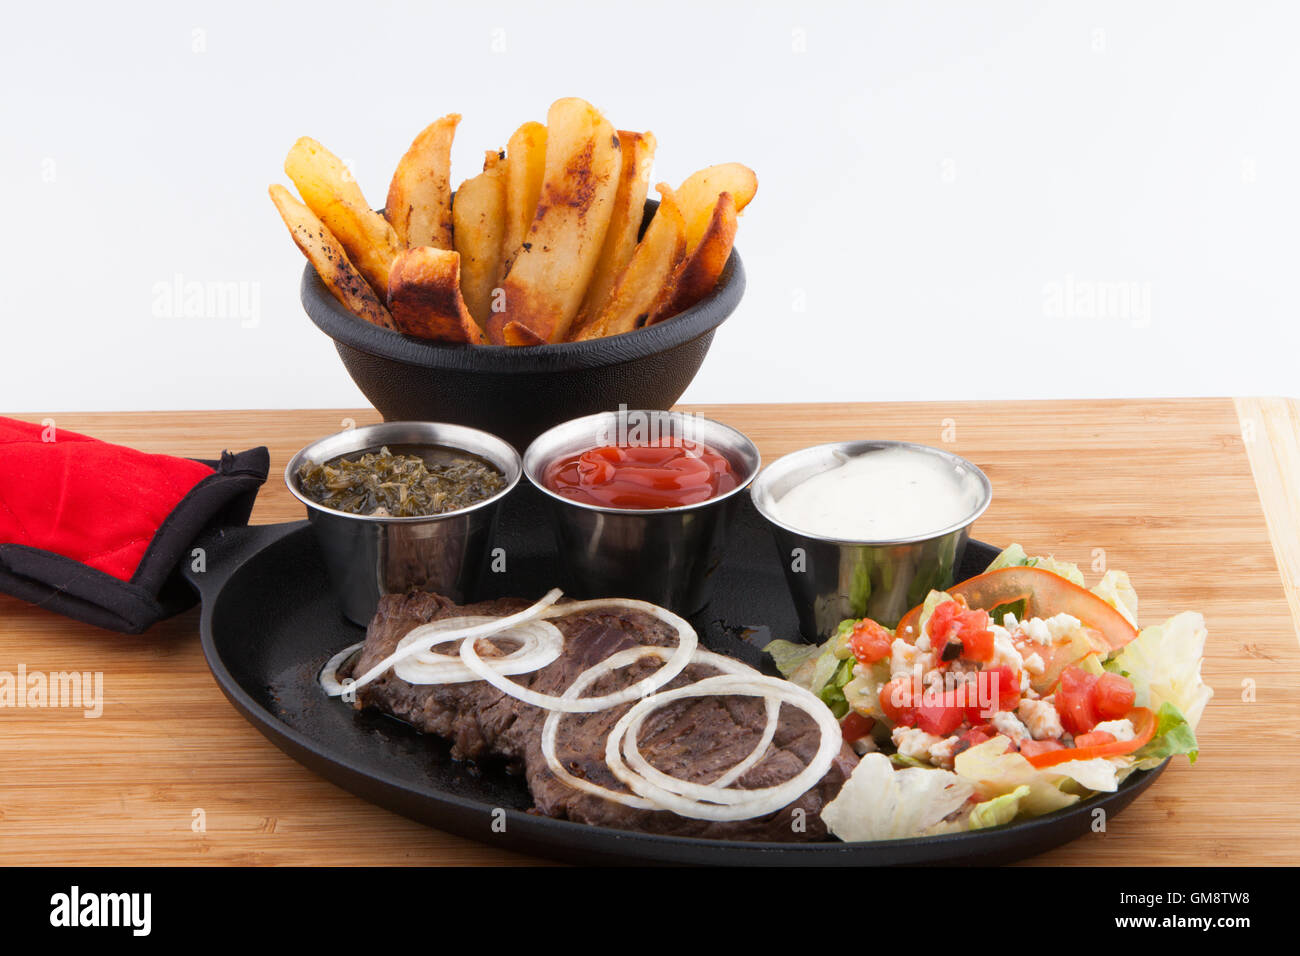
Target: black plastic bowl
519	392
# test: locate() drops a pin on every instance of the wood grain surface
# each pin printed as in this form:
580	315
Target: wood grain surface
1162	489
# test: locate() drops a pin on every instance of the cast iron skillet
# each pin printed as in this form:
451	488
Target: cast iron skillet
269	623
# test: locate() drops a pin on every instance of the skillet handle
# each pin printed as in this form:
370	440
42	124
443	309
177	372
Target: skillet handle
219	552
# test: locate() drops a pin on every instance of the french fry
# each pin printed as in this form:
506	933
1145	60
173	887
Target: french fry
543	246
698	273
424	297
637	154
479	213
525	169
516	334
328	189
546	283
419	196
645	285
332	264
699	194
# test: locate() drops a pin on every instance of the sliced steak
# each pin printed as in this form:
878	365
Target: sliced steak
695	739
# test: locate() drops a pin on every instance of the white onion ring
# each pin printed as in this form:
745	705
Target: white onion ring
329	675
721	785
431	637
687	641
540	642
550	729
735	804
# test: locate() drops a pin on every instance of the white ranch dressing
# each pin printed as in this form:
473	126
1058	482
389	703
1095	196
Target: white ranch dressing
885	495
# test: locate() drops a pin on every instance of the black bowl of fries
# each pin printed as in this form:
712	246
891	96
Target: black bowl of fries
520	392
547	287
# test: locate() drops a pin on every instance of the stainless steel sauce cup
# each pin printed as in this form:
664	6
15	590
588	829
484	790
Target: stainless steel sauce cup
831	578
667	555
368	556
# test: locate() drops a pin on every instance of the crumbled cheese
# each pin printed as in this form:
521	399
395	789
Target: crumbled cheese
923	642
1036	630
865	745
1041	719
1009	621
1062	627
1004	652
905	659
1034	664
941	754
914	742
1122	729
1008	723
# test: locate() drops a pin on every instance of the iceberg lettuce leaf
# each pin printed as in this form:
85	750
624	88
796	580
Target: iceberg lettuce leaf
878	802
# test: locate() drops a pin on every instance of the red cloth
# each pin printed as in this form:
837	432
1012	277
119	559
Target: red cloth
96	503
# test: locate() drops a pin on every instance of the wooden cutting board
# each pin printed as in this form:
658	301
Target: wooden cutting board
171	774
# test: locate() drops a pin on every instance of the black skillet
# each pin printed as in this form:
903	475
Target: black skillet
269	623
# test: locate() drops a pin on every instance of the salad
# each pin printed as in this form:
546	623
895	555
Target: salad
1012	694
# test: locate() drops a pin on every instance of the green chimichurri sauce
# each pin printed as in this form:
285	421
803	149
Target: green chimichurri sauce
416	481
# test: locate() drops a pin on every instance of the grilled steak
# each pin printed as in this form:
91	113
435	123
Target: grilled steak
695	739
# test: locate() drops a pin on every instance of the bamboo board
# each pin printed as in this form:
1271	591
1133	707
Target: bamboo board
1162	489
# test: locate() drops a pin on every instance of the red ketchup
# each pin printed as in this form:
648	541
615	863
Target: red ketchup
643	476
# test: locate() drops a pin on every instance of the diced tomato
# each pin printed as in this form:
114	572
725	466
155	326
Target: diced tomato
1094	738
940	717
1144	724
1084	700
1036	748
896	702
977	642
870	642
1112	696
1074	701
973	738
854	726
1008	685
979	696
952	620
941	622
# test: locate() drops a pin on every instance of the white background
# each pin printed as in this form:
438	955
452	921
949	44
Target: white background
942	185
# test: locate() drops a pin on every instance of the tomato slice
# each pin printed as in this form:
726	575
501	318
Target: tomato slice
1044	594
1057	657
1094	738
1144	723
1036	748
